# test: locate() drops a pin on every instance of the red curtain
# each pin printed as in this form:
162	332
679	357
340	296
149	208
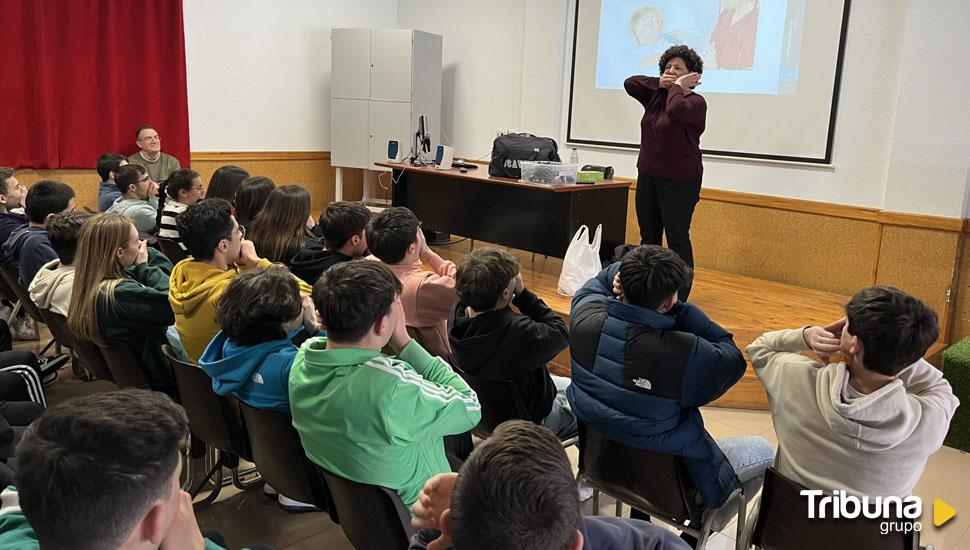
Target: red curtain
79	76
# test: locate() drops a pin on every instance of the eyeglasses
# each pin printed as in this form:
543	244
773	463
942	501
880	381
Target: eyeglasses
199	188
146	178
152	138
242	230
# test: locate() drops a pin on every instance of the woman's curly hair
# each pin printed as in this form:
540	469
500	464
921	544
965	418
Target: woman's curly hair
693	61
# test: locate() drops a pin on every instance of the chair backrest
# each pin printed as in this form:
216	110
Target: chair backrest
372	517
125	368
279	455
655	483
783	524
212	418
86	350
500	400
172	250
12	277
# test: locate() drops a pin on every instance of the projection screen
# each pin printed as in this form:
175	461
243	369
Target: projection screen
771	71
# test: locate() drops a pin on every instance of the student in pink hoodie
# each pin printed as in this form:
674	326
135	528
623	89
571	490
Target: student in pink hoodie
395	237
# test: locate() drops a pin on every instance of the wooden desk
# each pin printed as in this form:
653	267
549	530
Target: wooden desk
527	216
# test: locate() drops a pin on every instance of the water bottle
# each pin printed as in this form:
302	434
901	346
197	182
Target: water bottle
574	157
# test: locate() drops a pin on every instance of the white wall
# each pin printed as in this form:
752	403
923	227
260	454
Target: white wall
894	148
259	71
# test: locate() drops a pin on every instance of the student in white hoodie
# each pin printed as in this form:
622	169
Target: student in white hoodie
866	425
52	286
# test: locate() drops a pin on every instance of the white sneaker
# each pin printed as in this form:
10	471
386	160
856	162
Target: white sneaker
270	492
5	312
22	329
585	491
295	506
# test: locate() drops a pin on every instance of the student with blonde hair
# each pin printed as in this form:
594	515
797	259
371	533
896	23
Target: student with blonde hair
121	294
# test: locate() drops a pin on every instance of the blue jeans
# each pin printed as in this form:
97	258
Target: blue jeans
561	419
750	456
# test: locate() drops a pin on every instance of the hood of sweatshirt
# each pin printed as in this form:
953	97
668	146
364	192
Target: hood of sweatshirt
874	422
479	339
47	280
193	283
18	238
231	366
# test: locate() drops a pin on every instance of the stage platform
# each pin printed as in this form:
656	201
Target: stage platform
745	306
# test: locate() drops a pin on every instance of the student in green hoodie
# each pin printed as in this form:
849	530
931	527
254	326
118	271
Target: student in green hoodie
361	414
121	294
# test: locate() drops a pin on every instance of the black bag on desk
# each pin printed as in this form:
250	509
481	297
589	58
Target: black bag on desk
509	149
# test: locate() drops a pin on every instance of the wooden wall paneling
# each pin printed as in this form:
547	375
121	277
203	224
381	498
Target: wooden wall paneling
921	262
960	297
803	249
84	182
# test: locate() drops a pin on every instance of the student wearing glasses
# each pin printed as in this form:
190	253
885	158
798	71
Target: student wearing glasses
137	201
220	252
150	156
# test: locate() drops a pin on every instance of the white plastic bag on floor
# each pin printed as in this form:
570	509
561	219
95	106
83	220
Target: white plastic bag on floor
582	261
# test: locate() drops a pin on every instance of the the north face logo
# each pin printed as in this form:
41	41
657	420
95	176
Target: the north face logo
642	383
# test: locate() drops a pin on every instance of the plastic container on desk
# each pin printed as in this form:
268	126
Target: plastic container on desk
547	172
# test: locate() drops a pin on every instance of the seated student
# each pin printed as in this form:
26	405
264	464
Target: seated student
666	359
493	502
219	251
108	165
283	227
138	199
491	341
866	425
113	460
181	190
260	312
251	197
12	194
52	286
361	414
29	247
395	237
121	294
159	165
343	226
225	182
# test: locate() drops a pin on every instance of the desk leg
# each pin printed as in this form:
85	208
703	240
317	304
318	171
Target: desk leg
338	193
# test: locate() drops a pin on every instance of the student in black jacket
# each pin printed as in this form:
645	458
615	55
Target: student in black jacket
342	226
492	341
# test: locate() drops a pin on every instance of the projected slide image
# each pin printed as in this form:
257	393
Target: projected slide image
748	46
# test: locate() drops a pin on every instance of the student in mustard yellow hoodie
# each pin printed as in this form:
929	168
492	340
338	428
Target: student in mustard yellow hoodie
219	251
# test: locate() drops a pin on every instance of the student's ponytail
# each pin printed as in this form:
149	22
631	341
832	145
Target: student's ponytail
179	180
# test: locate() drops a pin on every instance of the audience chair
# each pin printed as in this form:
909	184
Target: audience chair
12	277
83	349
782	524
654	483
372	517
172	250
282	462
124	367
501	401
215	420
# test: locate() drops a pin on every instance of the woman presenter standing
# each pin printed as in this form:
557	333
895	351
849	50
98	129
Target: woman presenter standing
669	168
